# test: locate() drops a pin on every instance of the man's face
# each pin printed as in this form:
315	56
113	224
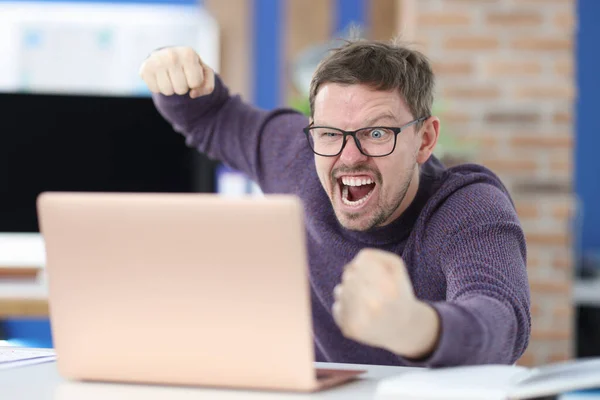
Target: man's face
366	192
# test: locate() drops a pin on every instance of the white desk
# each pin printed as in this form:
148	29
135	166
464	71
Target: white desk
42	382
22	250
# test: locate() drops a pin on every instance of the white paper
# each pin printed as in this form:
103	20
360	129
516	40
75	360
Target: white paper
489	382
12	357
493	382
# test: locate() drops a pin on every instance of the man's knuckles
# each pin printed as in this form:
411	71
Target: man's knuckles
187	55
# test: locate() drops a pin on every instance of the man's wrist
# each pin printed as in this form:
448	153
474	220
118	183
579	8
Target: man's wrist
424	334
428	324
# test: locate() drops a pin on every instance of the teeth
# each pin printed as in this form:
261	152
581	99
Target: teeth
350	181
353	203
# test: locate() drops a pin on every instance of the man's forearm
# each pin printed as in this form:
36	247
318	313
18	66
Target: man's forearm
218	125
478	330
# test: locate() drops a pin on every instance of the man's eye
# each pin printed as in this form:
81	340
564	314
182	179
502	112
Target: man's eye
377	134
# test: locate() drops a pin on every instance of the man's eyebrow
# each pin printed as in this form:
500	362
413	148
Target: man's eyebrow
370	122
386	115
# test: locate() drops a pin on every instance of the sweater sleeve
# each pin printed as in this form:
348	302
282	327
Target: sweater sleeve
486	316
259	143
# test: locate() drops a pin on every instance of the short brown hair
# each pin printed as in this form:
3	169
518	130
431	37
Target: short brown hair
383	66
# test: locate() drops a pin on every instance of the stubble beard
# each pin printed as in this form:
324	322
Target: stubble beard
383	212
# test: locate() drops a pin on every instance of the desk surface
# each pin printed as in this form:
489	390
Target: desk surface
22	250
42	382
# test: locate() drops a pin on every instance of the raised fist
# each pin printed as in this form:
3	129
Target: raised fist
177	70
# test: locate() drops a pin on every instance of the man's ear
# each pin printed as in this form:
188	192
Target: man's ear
429	134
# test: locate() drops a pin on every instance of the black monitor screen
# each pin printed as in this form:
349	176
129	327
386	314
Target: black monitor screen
88	143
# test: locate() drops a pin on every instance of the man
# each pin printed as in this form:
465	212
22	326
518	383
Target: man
410	263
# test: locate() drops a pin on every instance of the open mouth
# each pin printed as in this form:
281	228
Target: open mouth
356	190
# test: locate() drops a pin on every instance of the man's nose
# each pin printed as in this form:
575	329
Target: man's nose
351	153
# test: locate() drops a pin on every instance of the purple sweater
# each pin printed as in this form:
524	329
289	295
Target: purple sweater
460	238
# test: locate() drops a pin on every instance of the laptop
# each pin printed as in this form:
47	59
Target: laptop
181	289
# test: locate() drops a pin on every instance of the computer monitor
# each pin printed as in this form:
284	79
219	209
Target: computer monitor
52	142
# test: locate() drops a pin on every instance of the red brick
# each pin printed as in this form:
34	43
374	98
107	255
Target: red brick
542	2
564	67
444	20
512	117
550	92
471	43
442	68
533	261
483	141
509	165
562	311
454	117
562	211
469	2
541	131
564	20
561	166
527	210
513	68
547	238
542	142
559	333
472	92
542	44
562	263
550	287
562	117
515	18
479	143
542	186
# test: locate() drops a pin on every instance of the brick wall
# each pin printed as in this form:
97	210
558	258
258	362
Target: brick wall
505	82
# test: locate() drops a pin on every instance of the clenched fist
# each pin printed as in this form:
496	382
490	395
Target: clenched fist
375	304
177	70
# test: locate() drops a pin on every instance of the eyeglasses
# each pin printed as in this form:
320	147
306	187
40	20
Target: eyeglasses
378	141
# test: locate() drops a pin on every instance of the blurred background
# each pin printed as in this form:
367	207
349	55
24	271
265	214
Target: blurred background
517	91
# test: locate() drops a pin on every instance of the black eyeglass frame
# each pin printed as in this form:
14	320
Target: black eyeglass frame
396	131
